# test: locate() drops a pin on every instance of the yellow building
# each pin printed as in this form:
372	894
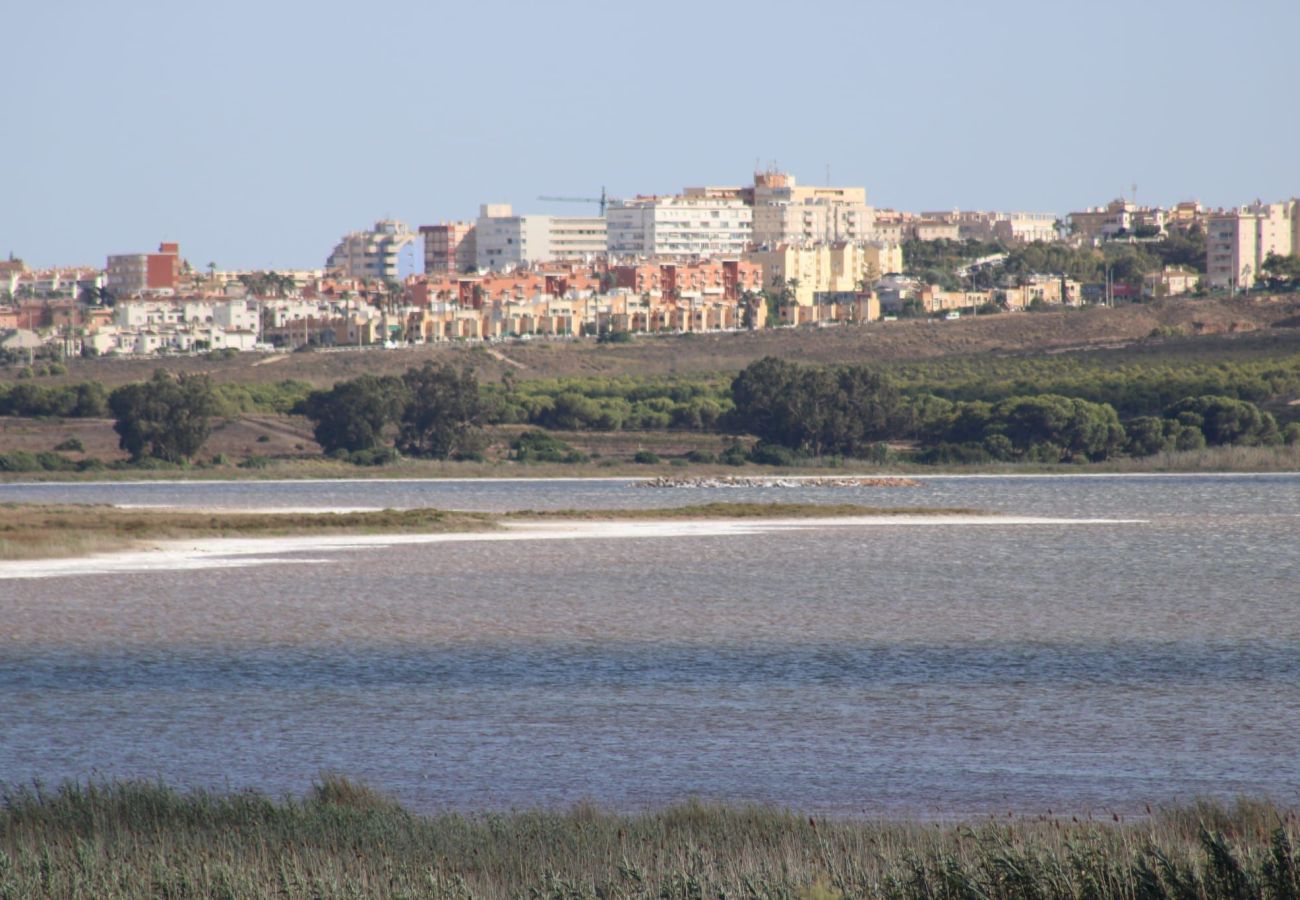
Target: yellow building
826	268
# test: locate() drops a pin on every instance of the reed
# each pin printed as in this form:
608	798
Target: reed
137	839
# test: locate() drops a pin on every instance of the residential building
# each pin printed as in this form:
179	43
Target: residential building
385	253
449	247
1238	241
699	223
1118	218
132	274
1006	227
809	270
788	213
1025	227
726	279
504	240
928	230
1170	282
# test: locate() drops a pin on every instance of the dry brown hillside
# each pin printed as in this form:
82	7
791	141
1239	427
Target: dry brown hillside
1047	332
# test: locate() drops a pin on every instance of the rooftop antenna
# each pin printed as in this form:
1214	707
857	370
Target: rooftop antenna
1135	193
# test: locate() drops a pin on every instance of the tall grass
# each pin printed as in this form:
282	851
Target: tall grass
127	839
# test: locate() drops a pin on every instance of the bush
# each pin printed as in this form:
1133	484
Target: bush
701	456
540	446
645	457
18	461
765	454
255	462
72	445
378	456
734	455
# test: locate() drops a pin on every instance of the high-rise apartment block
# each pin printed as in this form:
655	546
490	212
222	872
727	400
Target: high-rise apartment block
1238	241
386	253
449	247
788	213
504	240
145	273
699	223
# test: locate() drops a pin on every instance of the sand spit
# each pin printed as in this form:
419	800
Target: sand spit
221	553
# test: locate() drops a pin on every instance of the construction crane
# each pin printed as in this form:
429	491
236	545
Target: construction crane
601	200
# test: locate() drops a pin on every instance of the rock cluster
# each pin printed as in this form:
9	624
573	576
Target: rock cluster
749	481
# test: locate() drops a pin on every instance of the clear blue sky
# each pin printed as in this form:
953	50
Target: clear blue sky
256	133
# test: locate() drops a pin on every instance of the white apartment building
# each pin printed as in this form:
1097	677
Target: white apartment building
699	223
787	213
1007	227
1238	241
504	240
1025	227
385	253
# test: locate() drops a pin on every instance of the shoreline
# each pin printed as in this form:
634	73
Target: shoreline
209	552
535	479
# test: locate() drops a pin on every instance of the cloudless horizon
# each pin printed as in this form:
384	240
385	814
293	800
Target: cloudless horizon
257	134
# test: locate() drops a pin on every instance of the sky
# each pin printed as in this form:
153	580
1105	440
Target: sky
258	133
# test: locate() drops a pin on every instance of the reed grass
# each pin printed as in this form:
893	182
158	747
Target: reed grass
136	839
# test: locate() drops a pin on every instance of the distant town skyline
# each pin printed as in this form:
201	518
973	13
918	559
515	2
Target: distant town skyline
256	134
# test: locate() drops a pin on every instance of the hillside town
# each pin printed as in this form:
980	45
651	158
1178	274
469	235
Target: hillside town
774	253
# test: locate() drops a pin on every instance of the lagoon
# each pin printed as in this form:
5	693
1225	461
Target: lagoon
1148	655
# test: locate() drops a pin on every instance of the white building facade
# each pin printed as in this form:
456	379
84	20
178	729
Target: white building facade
505	241
683	227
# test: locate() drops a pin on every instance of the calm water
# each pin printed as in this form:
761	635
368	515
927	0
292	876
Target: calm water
931	670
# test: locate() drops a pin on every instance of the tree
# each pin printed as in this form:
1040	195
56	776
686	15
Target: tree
443	414
1225	420
817	409
165	418
352	415
1281	273
1050	425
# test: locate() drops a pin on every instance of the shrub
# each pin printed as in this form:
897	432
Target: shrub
645	457
18	461
701	456
377	456
72	445
540	446
765	454
734	455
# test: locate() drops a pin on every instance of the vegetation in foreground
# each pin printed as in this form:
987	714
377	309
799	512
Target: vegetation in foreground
134	839
40	531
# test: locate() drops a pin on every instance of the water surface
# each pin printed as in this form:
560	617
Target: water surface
933	670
